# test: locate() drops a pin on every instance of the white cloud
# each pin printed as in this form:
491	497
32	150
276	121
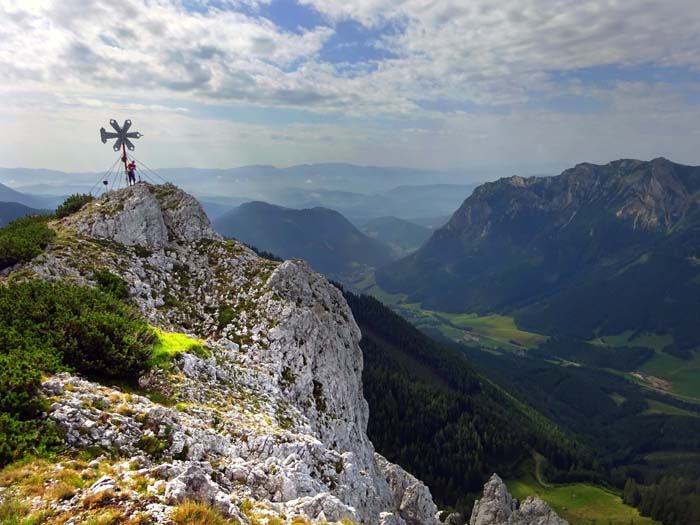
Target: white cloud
69	65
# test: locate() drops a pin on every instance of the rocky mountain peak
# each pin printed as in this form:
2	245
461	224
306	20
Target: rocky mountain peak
497	507
266	422
651	196
152	216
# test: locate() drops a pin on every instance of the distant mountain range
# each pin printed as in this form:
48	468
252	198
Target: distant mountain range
253	181
599	249
360	193
9	211
323	237
401	236
404	202
7	194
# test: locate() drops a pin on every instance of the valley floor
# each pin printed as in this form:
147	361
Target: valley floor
578	503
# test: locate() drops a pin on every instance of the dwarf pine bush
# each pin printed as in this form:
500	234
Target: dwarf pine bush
50	327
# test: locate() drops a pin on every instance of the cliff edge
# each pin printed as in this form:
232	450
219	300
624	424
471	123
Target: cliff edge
266	421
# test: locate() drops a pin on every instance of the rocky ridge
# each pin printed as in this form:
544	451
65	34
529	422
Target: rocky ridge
274	415
267	424
650	196
563	254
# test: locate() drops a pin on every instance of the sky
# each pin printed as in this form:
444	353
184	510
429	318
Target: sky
512	86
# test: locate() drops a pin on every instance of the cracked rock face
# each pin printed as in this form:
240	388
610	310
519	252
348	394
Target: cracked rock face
273	413
497	507
145	215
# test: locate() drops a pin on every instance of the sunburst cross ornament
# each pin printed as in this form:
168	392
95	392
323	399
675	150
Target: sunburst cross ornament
122	135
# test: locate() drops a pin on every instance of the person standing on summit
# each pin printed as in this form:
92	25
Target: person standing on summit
130	172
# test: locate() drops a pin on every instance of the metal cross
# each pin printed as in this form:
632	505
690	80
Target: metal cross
122	135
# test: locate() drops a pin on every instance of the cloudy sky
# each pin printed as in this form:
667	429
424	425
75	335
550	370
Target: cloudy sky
523	86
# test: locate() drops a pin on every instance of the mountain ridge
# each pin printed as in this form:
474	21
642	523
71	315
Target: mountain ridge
269	420
537	248
331	243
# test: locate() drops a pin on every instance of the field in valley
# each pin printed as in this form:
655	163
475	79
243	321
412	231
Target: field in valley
580	503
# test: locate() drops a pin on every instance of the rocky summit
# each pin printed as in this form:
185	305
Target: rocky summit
263	418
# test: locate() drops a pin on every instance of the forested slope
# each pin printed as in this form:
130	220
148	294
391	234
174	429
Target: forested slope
432	413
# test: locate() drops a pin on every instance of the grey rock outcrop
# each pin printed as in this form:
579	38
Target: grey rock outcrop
497	507
145	215
272	412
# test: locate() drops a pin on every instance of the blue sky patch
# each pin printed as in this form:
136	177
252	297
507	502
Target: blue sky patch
291	16
352	43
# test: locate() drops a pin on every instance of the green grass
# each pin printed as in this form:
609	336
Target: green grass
498	327
493	332
619	399
580	503
369	286
647	340
657	407
673	456
683	374
170	344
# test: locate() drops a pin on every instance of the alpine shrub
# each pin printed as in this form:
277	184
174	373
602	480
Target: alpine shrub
111	284
23	239
50	327
73	204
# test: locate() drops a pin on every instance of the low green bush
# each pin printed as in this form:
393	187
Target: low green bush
23	239
111	284
21	430
49	327
73	204
94	332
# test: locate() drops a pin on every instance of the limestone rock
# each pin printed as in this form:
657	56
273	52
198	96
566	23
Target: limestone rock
497	507
103	484
145	215
412	498
534	511
270	411
455	518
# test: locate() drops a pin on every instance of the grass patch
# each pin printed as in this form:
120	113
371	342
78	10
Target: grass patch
13	511
657	407
683	374
673	457
195	513
646	340
368	286
170	344
493	332
619	399
497	327
580	503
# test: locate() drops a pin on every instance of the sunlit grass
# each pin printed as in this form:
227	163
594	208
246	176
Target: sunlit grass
683	374
170	344
580	503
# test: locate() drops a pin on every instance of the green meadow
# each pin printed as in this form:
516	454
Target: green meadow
580	503
492	332
683	374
